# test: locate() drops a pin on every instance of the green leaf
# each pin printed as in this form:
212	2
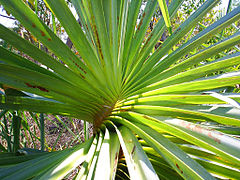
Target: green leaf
153	38
138	164
139	35
104	156
201	71
11	58
219	170
16	122
165	14
180	161
197	85
157	111
198	57
192	137
114	153
46	85
91	169
182	113
149	70
179	99
70	162
42	32
37	104
88	161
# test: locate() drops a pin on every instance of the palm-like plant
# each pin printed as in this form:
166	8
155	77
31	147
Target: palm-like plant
144	105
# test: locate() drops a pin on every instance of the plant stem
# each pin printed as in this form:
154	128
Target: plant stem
42	131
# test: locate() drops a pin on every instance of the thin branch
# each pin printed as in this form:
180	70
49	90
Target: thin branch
7	17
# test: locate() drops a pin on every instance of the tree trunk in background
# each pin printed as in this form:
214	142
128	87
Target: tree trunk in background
69	42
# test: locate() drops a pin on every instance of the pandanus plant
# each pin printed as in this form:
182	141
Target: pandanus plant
150	107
